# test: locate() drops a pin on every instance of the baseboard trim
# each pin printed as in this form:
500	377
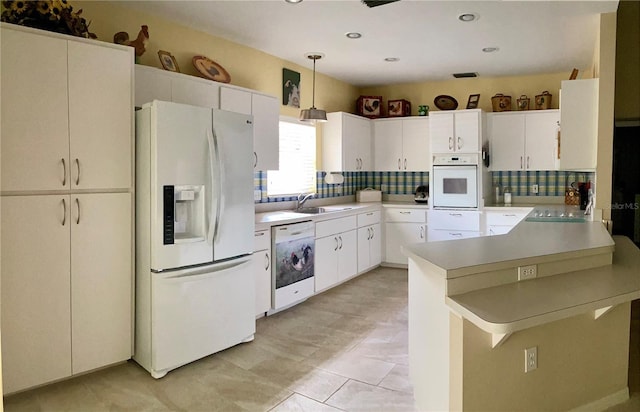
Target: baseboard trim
604	403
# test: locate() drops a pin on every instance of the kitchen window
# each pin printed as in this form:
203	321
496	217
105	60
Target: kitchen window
297	172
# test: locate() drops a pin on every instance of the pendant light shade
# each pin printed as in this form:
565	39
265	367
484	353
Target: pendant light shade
313	115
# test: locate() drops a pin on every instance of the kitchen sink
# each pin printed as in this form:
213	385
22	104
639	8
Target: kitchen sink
316	210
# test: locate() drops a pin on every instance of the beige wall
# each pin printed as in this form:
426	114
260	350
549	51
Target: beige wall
460	89
627	105
565	377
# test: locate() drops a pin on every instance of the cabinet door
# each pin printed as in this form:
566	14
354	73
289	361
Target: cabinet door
261	267
235	100
399	234
101	279
347	255
415	145
506	133
541	131
387	145
375	245
36	314
34	127
364	255
441	132
326	262
579	113
100	116
195	92
151	84
356	143
266	136
467	132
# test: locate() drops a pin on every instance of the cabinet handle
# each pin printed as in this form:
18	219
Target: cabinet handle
520	162
78	167
527	162
64	211
509	215
455	214
368	233
405	164
373	233
421	232
455	234
399	168
259	234
340	237
336	239
78	208
405	213
64	172
255	159
460	141
450	143
370	214
267	261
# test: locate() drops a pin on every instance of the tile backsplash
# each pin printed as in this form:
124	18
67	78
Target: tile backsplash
550	182
397	183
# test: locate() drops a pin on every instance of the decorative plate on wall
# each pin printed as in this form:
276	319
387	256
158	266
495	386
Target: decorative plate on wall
444	102
210	69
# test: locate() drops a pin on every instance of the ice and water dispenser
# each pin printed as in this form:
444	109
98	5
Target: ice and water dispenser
184	214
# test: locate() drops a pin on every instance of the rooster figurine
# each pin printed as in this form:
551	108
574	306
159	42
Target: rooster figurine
139	44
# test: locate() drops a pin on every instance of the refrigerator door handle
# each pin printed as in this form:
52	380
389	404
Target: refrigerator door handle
199	274
212	155
219	186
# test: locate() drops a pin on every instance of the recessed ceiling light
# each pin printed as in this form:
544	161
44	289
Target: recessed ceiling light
293	1
353	35
468	17
490	49
391	59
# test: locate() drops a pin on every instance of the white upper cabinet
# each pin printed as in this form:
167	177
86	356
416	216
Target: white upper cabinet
579	122
402	144
156	84
456	131
196	92
346	143
151	84
523	140
265	110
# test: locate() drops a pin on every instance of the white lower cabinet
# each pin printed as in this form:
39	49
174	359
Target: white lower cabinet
336	252
66	285
440	234
261	268
453	224
369	247
403	227
501	222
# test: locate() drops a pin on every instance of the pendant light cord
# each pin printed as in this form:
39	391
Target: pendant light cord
313	93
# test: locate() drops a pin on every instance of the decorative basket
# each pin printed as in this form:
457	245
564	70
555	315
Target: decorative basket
543	101
523	102
501	103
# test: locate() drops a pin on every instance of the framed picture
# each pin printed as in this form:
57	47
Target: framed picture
369	106
290	88
168	61
472	103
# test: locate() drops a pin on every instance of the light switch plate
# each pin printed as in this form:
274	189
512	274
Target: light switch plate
257	195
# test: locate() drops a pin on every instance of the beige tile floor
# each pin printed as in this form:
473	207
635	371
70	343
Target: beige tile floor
343	350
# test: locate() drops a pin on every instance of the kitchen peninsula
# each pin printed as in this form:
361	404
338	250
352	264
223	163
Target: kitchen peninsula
471	320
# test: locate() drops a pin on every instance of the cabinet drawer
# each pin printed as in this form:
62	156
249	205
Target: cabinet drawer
454	220
369	218
330	227
505	218
262	240
405	215
433	234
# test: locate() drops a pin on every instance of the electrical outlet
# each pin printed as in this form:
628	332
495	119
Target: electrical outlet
257	195
534	188
530	359
527	272
383	188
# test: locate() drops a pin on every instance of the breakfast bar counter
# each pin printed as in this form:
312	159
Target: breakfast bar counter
471	319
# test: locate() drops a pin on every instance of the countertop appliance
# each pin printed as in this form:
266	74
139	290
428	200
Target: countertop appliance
454	181
293	264
422	194
194	233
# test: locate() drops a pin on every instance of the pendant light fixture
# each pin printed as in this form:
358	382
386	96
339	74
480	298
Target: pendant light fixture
313	114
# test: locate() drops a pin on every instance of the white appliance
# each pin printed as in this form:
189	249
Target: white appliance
194	233
293	264
455	182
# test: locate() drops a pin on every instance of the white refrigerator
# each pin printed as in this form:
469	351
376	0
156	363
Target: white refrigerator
194	234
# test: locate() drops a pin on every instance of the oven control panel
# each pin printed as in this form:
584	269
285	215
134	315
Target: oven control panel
458	159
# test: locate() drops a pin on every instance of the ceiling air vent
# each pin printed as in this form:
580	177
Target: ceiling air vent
463	75
376	3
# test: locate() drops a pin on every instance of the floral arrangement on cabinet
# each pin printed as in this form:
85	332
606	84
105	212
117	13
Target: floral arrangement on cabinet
52	15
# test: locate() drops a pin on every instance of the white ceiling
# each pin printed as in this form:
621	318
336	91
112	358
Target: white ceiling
427	37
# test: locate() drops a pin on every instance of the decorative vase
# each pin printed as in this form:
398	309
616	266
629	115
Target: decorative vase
423	110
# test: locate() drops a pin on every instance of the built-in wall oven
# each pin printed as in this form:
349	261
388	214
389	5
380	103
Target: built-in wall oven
454	181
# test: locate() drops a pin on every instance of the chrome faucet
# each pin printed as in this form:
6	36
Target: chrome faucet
303	198
589	207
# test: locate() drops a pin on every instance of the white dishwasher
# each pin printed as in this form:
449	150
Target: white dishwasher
293	250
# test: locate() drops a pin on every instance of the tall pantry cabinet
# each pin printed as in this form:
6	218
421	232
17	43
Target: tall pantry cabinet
67	211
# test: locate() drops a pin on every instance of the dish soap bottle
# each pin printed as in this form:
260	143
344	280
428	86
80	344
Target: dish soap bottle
507	195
